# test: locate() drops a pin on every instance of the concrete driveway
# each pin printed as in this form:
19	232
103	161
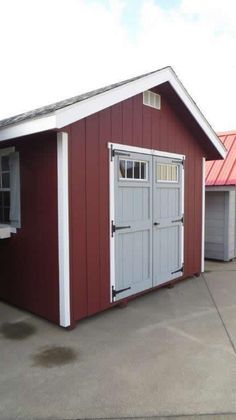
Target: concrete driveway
168	353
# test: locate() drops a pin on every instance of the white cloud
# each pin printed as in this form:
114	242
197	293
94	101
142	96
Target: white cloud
53	49
198	40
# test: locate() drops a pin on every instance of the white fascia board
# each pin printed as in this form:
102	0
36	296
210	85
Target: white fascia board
75	112
103	100
24	128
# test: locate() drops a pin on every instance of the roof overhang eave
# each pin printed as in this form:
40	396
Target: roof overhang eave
24	128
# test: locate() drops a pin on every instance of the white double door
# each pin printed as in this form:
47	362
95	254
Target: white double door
147	227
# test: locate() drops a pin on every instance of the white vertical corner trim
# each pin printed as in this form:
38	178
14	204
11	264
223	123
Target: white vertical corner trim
63	229
183	212
203	214
112	217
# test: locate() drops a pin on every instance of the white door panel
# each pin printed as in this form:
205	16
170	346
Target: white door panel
167	219
133	224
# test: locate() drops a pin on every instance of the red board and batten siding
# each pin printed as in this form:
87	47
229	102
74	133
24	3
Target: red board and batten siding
130	123
29	259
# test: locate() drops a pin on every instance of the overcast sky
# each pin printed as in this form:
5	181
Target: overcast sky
54	49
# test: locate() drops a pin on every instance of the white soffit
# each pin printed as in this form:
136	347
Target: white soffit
86	107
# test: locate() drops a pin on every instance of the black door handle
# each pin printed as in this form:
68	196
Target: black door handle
156	223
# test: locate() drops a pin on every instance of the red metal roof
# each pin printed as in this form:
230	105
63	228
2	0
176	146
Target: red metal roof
223	172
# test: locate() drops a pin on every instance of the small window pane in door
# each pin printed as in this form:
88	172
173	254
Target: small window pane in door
169	172
166	172
174	173
133	169
143	170
122	169
137	170
130	168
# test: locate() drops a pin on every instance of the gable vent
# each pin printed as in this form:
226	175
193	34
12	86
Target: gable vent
152	99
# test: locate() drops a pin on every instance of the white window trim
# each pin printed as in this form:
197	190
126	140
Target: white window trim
63	229
5	152
134	149
135	179
165	181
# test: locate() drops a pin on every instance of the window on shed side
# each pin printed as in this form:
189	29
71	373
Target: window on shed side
9	188
4	189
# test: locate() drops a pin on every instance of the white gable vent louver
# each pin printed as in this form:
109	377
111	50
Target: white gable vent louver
152	99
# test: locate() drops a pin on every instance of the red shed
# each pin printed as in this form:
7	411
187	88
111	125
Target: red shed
101	197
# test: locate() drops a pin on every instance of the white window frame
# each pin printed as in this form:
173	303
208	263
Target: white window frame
135	179
2	189
166	181
6	152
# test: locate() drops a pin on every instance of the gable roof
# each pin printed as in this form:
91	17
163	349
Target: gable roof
223	172
60	114
64	103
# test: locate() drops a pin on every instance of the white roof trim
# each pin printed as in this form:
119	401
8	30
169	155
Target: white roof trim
24	128
79	110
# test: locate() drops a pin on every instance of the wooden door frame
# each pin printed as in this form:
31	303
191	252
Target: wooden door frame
131	149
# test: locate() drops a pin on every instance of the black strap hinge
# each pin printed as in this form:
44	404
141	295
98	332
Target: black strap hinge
115	152
179	161
114	228
116	292
180	270
178	220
